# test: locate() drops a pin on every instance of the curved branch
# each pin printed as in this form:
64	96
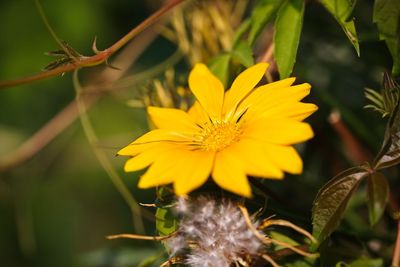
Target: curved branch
98	58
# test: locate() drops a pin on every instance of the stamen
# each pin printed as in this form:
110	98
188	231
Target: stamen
218	135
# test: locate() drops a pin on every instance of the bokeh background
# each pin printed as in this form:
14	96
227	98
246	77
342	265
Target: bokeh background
57	207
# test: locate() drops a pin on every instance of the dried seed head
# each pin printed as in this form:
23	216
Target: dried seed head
213	232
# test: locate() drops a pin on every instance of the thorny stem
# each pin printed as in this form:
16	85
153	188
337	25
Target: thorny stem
65	117
98	58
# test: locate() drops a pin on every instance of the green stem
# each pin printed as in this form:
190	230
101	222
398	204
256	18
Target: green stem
102	157
51	30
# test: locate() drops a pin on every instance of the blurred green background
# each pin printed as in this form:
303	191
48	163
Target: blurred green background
57	208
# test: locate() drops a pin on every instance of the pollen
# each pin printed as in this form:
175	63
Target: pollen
217	136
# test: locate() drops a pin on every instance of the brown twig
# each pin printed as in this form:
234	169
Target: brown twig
98	58
356	152
69	114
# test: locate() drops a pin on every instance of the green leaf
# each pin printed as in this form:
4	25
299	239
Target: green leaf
332	199
387	17
244	26
260	16
362	263
342	11
219	66
243	53
166	222
288	26
378	196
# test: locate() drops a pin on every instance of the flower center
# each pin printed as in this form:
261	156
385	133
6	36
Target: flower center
218	135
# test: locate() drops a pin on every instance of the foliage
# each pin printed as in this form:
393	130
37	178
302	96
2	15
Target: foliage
57	207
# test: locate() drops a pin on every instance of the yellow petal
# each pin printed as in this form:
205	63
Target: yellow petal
265	97
151	139
293	110
242	86
147	157
163	170
159	173
207	89
172	119
285	157
259	91
230	175
193	172
198	114
255	159
278	131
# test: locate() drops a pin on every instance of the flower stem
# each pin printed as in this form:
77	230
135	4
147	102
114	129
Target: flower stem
102	157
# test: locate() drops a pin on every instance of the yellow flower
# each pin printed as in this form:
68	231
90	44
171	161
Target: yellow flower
243	131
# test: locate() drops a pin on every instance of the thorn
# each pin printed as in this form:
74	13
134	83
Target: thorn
94	46
111	66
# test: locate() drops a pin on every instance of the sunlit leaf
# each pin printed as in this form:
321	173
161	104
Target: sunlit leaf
260	16
378	195
332	200
219	66
387	16
362	263
243	53
166	222
342	11
287	35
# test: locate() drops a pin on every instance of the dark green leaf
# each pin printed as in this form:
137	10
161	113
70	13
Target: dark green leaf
260	16
287	35
342	11
243	53
166	222
378	195
390	152
332	199
219	66
387	17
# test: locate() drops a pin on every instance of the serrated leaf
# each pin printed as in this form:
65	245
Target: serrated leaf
288	26
219	66
387	16
378	195
243	53
342	11
166	222
390	151
391	155
260	16
332	199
